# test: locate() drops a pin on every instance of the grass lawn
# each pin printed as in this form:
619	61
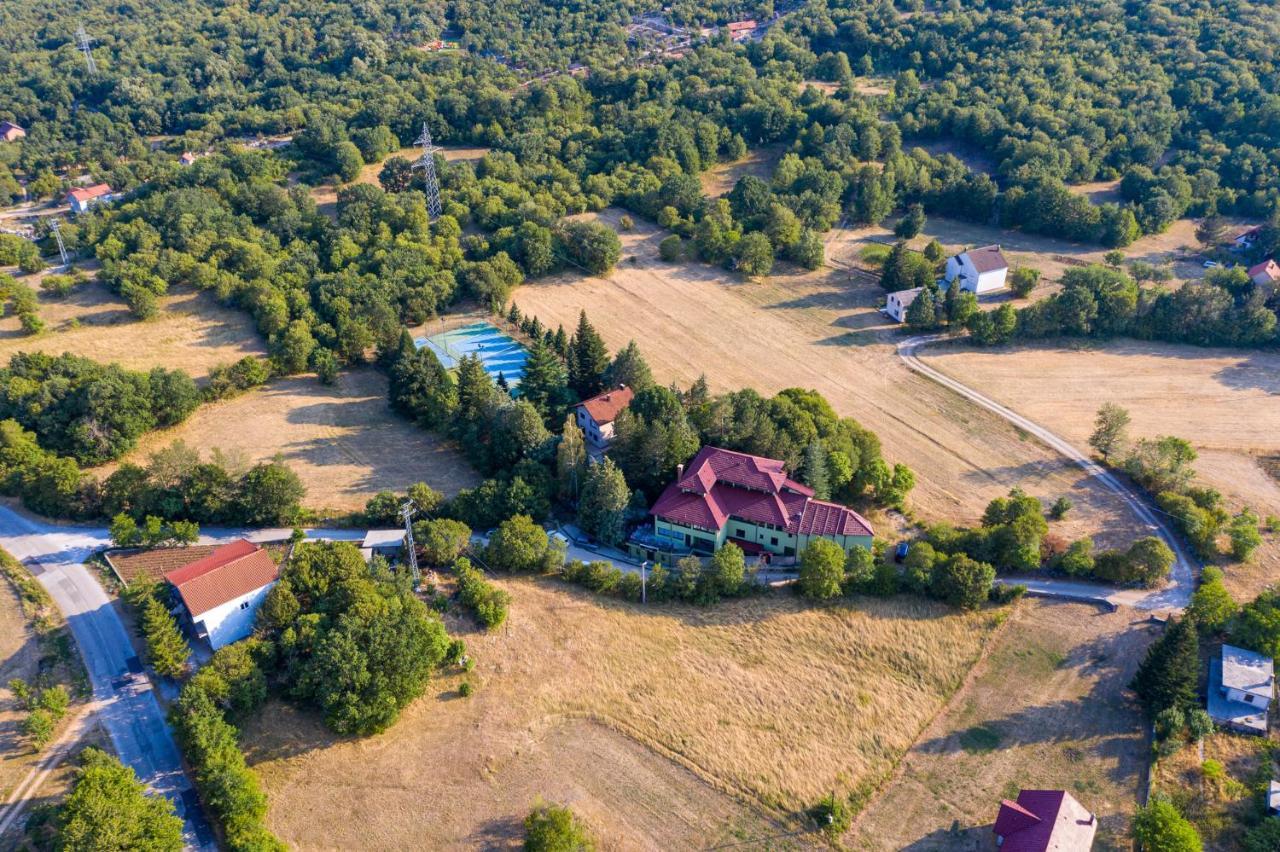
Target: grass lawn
667	727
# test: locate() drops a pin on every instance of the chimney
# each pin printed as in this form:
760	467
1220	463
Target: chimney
679	472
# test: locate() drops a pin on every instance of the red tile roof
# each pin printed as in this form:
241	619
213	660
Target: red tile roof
1042	820
719	484
605	408
90	192
227	573
740	26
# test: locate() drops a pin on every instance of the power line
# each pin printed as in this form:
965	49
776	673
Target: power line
427	163
85	43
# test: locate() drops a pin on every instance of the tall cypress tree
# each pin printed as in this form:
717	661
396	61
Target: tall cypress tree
1169	673
166	648
815	470
588	359
545	382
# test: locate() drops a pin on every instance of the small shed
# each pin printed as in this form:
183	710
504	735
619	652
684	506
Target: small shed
386	543
896	304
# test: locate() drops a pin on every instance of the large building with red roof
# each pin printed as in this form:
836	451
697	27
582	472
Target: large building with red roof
221	592
724	496
1044	820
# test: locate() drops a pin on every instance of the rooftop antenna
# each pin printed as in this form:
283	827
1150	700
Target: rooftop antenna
427	163
85	42
56	227
406	512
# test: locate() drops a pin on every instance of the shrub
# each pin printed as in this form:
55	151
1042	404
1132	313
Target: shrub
518	544
551	828
1060	507
486	601
832	815
671	249
108	809
1212	605
1159	826
441	540
821	569
962	581
465	689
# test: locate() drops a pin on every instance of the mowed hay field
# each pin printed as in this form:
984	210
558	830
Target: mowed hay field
343	440
667	727
1067	723
820	330
192	332
1225	402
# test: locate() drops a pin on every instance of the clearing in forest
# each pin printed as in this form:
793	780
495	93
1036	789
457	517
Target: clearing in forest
1226	402
1045	708
821	330
325	195
666	727
192	332
343	440
720	178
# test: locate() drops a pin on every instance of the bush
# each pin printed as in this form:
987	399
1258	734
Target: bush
1060	507
962	581
465	689
1159	826
108	809
671	249
441	540
551	828
1212	605
832	815
518	544
486	601
821	570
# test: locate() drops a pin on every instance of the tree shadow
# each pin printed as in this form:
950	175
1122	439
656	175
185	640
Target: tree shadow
501	832
1257	372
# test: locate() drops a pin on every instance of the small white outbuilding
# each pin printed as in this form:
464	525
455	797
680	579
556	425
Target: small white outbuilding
897	303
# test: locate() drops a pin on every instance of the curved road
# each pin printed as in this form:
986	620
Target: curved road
1175	595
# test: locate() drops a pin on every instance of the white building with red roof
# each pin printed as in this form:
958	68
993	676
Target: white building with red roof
1265	274
595	416
1044	820
221	592
725	496
82	199
980	270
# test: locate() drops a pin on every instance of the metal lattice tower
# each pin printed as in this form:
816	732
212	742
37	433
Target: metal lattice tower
85	42
56	227
406	512
427	163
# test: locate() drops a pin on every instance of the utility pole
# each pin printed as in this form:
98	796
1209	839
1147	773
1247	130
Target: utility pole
644	581
406	512
85	43
427	163
56	227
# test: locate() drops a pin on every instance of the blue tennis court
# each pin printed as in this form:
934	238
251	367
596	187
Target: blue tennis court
498	352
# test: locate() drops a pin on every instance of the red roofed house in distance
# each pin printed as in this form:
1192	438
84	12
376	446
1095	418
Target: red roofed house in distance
1044	820
725	496
595	416
221	592
83	199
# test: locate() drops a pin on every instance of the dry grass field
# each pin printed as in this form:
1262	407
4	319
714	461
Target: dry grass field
192	331
1044	708
671	727
819	330
1225	402
342	440
720	178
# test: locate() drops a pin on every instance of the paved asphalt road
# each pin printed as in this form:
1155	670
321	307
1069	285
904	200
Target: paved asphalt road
1174	596
128	707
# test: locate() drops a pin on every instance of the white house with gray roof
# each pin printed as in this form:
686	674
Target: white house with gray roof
1241	684
980	270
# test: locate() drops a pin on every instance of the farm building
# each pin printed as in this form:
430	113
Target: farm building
1043	820
728	496
10	132
1241	684
980	270
1246	238
897	303
1265	274
188	158
595	416
740	30
221	592
83	200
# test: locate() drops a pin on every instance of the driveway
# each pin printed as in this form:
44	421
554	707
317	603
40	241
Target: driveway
1175	595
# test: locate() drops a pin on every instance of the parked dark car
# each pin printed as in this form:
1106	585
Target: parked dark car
900	552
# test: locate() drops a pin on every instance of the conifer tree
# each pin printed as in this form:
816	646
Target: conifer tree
166	648
588	359
629	368
571	460
815	470
1167	676
545	382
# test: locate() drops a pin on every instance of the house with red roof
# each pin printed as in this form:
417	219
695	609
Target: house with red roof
724	496
82	199
220	593
1265	274
1044	820
595	416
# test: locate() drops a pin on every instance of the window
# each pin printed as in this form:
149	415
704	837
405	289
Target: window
774	541
244	604
1248	699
